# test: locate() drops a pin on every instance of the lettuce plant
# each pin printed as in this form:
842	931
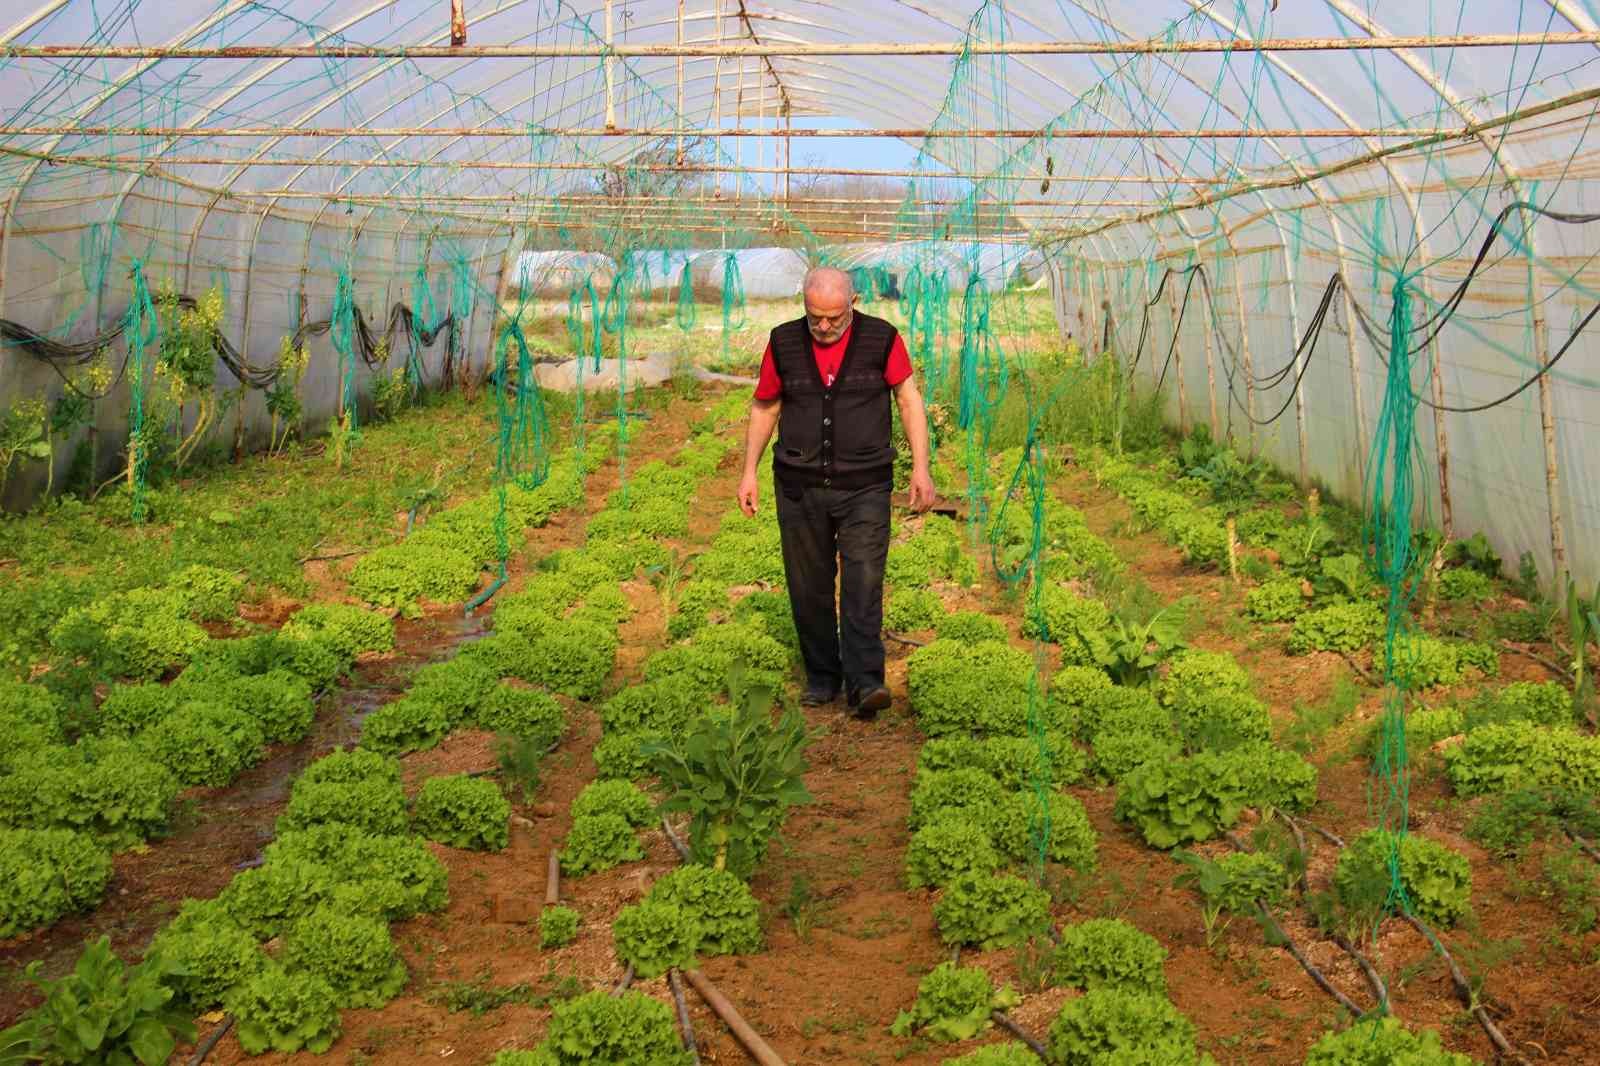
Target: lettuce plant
1118	1024
1109	953
354	954
991	911
46	873
945	848
464	812
953	1004
721	905
558	927
655	936
632	1029
277	1010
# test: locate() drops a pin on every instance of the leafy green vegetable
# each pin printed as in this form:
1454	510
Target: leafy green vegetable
719	903
969	688
1436	880
267	899
908	610
464	812
1280	599
614	797
632	1029
354	954
1512	755
1338	627
347	629
204	743
1109	953
1193	798
46	873
104	1011
946	847
953	1003
736	776
109	789
209	952
991	911
1383	1041
1018	822
1121	1025
558	927
599	842
970	791
400	873
665	705
1008	1054
372	804
281	1011
655	936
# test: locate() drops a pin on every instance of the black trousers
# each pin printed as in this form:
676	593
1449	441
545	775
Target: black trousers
841	533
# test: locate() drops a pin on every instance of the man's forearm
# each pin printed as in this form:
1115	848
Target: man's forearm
914	417
763	420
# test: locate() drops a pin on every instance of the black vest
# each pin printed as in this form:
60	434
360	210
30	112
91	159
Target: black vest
836	437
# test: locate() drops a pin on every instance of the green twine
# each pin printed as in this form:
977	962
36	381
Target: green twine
686	309
733	302
424	318
1392	497
615	320
141	325
341	332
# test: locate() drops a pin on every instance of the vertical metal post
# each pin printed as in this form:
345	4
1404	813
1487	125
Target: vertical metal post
788	151
679	156
1177	354
611	75
1547	423
1208	324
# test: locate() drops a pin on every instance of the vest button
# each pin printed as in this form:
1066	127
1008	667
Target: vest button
827	396
826	482
827	421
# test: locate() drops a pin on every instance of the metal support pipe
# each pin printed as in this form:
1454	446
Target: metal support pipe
1415	137
1149	46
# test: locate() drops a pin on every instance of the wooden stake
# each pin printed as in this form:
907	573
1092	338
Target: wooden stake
1233	549
552	881
458	24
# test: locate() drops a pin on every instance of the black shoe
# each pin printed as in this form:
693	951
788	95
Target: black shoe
866	705
818	697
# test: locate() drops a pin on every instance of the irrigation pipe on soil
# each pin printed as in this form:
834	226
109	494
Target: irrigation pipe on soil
212	1039
1003	1020
552	882
685	1024
758	1048
1464	991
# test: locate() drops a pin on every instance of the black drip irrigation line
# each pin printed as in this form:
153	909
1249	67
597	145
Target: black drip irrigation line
1447	309
685	1023
212	1039
1277	934
1464	992
1477	408
1006	1022
62	354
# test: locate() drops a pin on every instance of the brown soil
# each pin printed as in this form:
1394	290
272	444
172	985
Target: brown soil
847	942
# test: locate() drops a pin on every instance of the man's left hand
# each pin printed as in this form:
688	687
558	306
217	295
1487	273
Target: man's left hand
923	494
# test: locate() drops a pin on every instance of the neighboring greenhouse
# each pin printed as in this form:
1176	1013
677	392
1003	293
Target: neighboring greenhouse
372	399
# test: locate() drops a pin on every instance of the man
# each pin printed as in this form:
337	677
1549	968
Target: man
825	385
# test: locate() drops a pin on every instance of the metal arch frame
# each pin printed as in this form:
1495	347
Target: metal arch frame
96	101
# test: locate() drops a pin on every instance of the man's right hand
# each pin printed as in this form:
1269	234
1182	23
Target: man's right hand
749	494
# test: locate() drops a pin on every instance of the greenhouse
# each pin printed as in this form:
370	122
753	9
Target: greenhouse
409	632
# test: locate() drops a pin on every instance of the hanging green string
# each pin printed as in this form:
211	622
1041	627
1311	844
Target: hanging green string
424	319
141	326
686	309
1392	498
615	321
733	303
586	344
861	278
342	332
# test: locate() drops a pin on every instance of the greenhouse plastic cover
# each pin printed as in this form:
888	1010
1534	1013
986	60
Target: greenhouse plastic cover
275	220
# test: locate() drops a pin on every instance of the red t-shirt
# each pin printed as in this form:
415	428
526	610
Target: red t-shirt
829	356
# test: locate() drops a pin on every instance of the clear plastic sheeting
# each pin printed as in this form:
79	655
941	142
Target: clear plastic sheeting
1276	148
549	274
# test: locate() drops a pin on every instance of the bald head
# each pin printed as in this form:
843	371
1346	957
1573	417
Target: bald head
828	293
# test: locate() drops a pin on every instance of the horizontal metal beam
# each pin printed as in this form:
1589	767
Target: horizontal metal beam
390	162
906	133
1146	46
